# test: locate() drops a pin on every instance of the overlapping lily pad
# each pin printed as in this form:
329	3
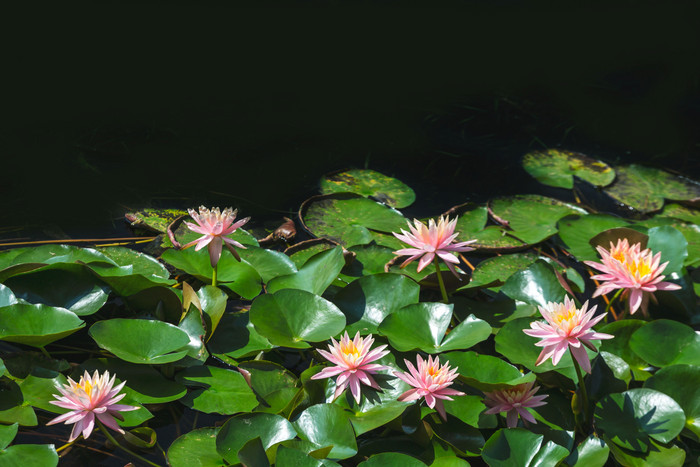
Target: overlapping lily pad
664	342
556	167
195	449
485	372
646	188
369	183
576	232
493	272
238	430
217	390
36	325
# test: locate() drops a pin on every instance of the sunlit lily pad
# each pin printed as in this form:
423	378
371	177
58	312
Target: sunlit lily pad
576	232
664	342
518	446
369	183
556	167
195	449
392	459
691	232
22	455
493	272
217	390
536	285
327	425
292	318
471	225
682	383
36	325
486	372
316	274
531	218
238	430
349	219
275	386
237	337
301	252
369	259
592	452
52	254
646	188
684	213
149	342
155	220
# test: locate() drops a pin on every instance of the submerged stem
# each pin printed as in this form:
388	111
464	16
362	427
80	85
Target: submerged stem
443	291
584	392
116	443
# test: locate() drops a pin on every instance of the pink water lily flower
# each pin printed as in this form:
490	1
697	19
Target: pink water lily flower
636	271
430	380
431	240
566	327
92	396
515	401
353	363
214	226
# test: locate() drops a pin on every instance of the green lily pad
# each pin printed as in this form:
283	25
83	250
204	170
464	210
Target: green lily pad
368	300
516	447
51	254
239	429
7	298
485	372
273	384
645	188
496	239
237	337
658	454
423	326
682	383
619	346
139	263
327	425
22	455
69	286
664	342
268	263
36	325
592	452
392	459
240	277
316	274
155	220
217	390
38	389
493	272
471	218
690	231
369	259
532	218
632	417
348	218
301	252
536	285
136	271
195	449
7	434
684	213
292	317
149	342
555	167
365	182
496	312
576	232
672	245
292	457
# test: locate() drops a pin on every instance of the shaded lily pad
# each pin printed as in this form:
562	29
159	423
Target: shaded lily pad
195	449
516	447
237	337
619	346
276	387
682	383
36	325
690	231
292	317
471	225
149	342
369	259
632	417
217	390
301	252
268	263
493	272
532	218
369	183
645	188
349	219
496	312
577	232
423	326
556	167
316	274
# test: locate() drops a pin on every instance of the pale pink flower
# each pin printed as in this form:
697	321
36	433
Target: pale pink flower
214	227
92	396
428	241
431	381
566	328
515	400
353	365
633	269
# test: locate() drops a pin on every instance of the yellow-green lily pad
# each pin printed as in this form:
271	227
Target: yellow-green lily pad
556	167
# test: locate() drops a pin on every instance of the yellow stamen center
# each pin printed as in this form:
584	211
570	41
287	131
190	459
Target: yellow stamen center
350	349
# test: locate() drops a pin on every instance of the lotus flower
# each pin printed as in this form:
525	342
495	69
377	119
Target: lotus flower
514	401
428	241
92	396
566	327
431	381
214	226
628	267
353	365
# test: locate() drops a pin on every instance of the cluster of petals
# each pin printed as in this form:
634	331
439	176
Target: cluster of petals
94	396
430	380
214	226
515	400
431	240
353	363
631	268
566	327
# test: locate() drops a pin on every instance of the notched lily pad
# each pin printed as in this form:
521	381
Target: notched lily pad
365	182
645	188
556	167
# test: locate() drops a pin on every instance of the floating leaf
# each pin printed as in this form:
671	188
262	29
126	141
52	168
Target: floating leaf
239	429
218	390
268	263
275	385
682	383
577	232
292	317
348	218
678	211
327	425
237	337
7	298
22	455
631	418
370	299
493	272
423	326
155	220
691	232
511	448
645	188
36	325
536	285
38	389
619	346
369	183
556	167
658	455
392	459
591	452
369	259
671	244
316	274
290	457
149	342
664	342
496	312
485	372
532	218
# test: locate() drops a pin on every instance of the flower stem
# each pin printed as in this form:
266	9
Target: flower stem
67	445
443	291
582	388
607	307
116	443
214	275
45	352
